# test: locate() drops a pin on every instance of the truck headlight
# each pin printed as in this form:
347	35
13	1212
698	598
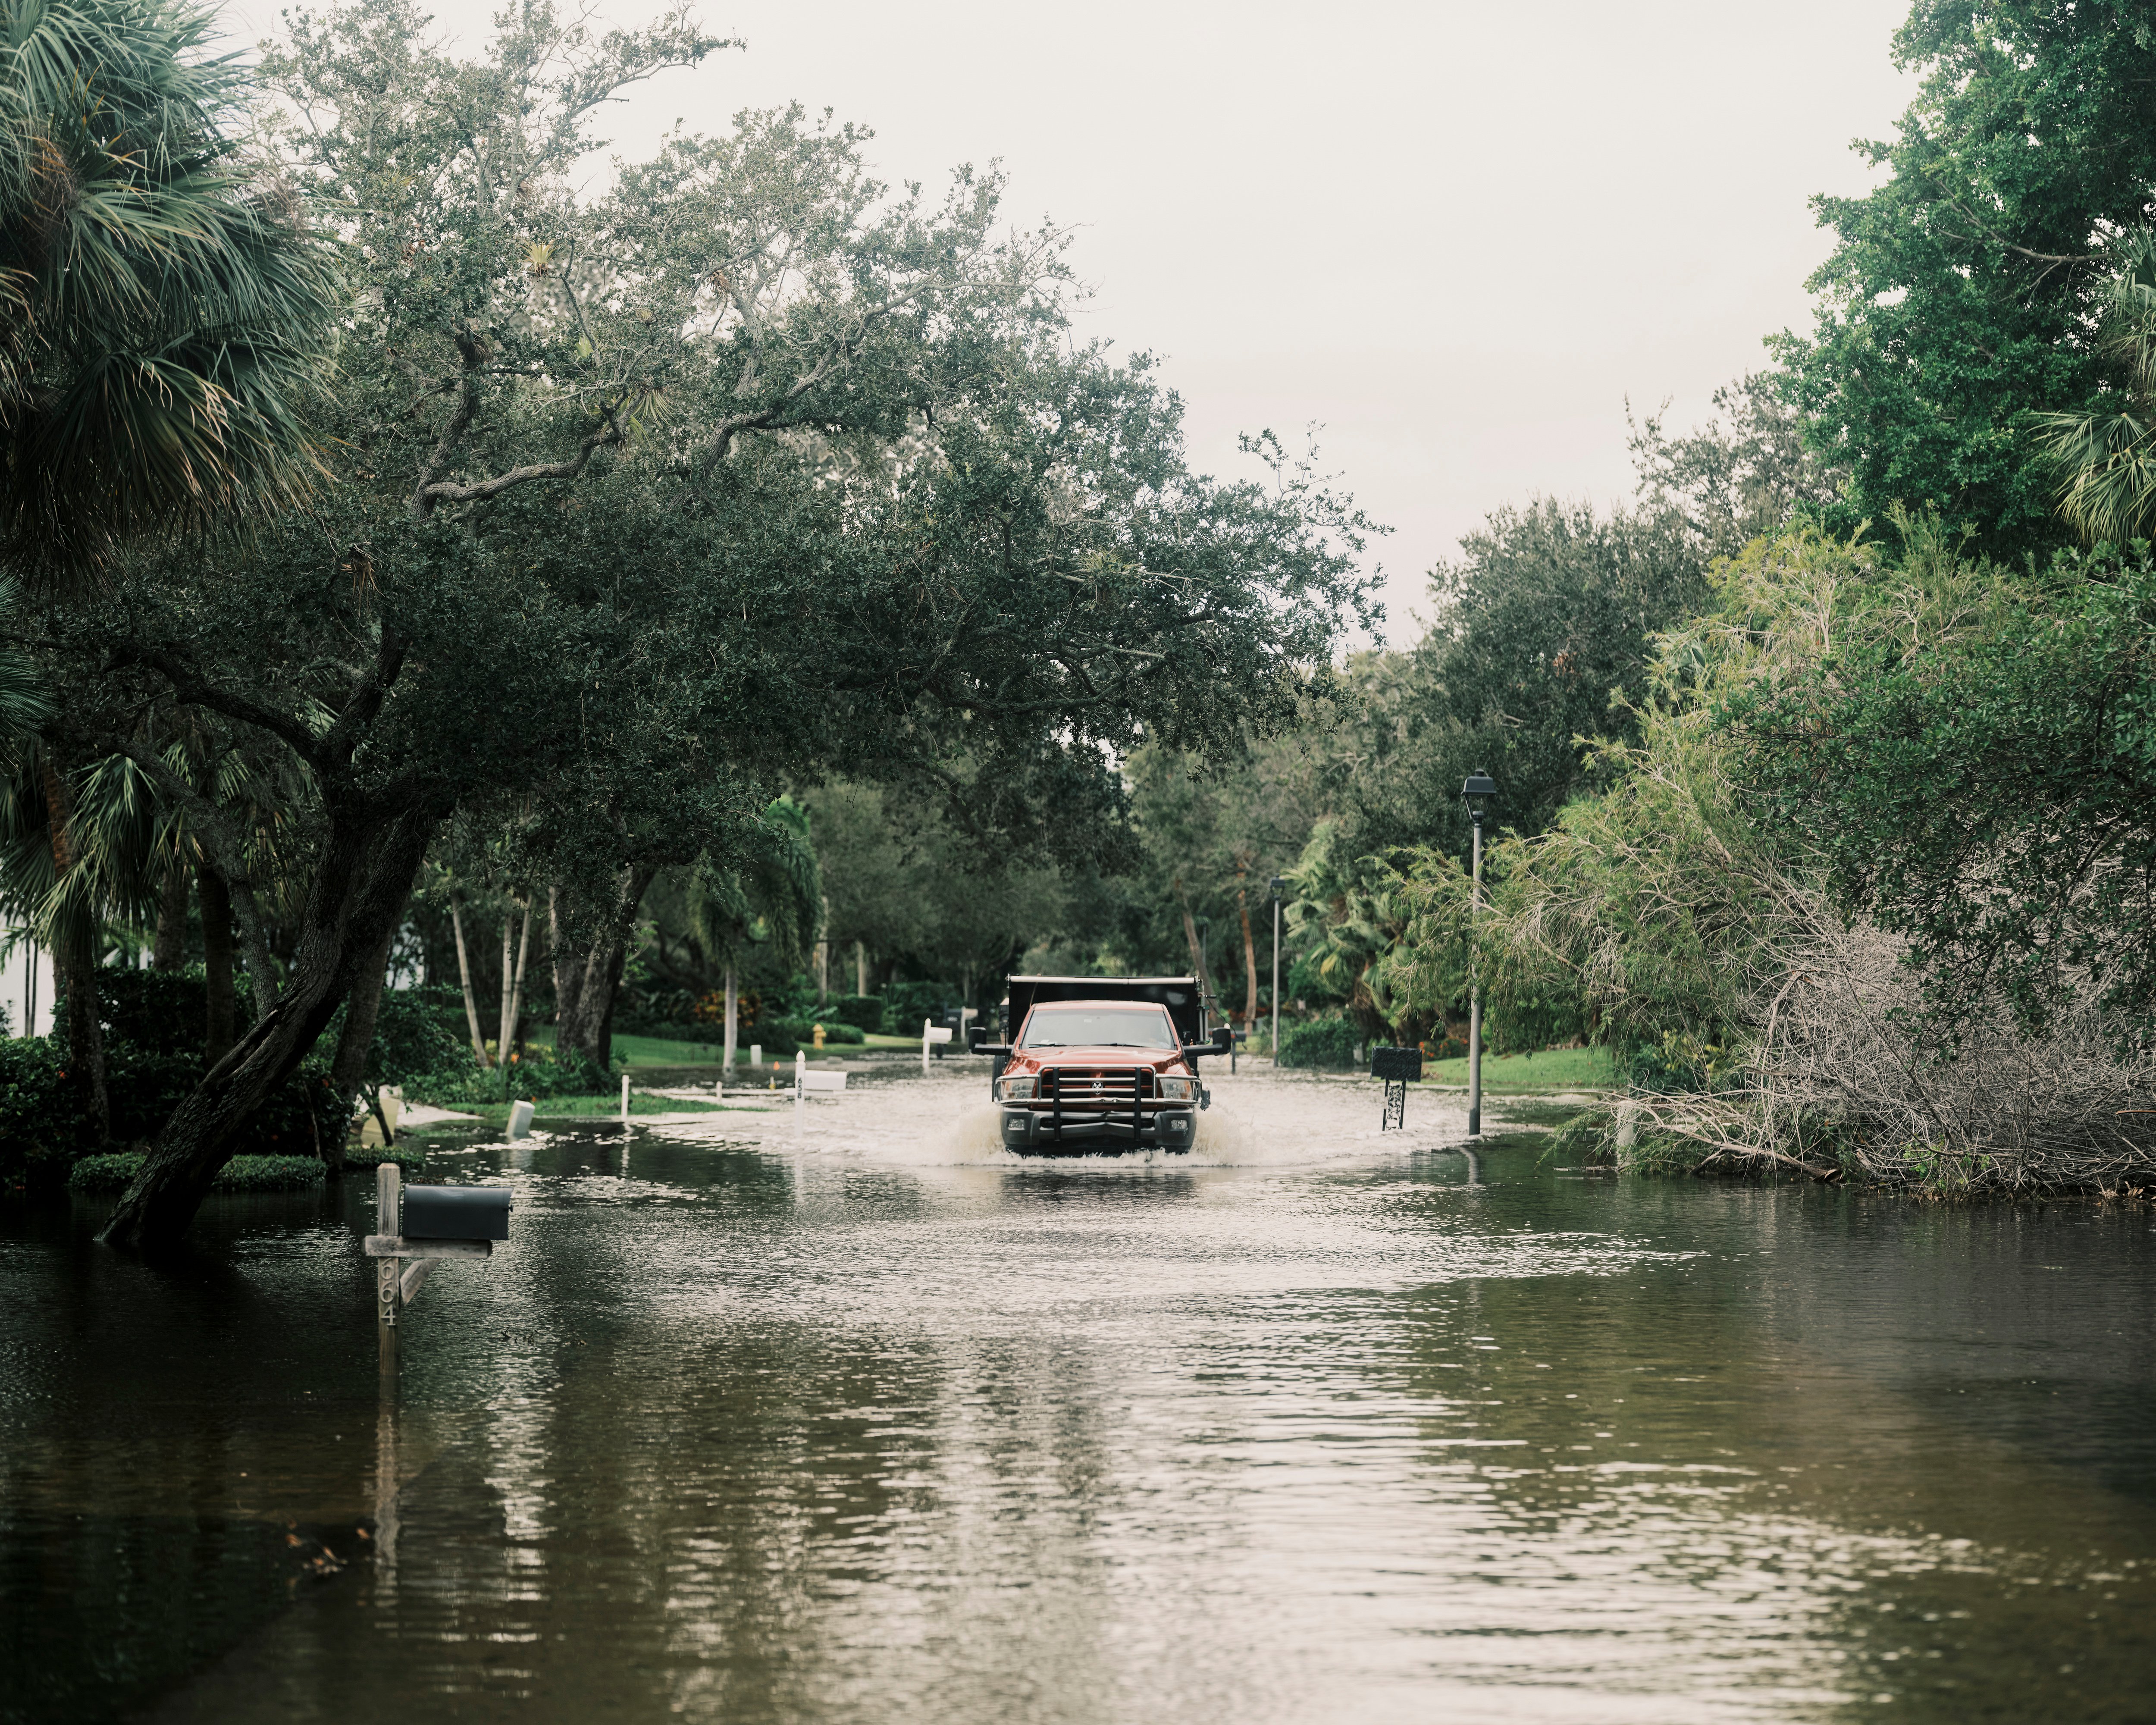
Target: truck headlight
1175	1090
1018	1090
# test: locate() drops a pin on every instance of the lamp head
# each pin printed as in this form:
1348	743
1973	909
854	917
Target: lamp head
1479	792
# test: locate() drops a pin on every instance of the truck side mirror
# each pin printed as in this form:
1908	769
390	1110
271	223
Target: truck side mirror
976	1034
1223	1038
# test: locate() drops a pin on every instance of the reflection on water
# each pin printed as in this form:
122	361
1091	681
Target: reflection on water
875	1422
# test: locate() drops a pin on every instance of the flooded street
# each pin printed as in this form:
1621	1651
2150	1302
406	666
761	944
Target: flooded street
875	1422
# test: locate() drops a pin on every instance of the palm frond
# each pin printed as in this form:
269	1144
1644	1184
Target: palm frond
163	316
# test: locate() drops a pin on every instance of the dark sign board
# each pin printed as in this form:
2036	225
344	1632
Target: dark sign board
1397	1066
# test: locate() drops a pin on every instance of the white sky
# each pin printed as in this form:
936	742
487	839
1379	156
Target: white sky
1456	235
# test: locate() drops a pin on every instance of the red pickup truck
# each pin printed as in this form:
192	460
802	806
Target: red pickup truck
1102	1063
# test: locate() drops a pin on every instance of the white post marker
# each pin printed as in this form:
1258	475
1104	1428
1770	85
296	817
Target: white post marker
519	1120
756	1056
387	1294
800	1086
624	1099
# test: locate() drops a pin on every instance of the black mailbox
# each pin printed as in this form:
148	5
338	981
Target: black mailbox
456	1213
1397	1066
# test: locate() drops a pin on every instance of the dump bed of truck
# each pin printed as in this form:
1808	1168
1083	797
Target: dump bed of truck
1177	993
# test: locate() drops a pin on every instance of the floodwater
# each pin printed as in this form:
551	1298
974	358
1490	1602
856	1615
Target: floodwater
875	1424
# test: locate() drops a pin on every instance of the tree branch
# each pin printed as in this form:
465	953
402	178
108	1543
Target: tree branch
366	697
190	691
438	458
448	491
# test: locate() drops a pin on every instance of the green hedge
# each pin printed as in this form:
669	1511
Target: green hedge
41	1134
864	1011
1328	1043
538	1073
803	1032
905	1005
410	1158
243	1174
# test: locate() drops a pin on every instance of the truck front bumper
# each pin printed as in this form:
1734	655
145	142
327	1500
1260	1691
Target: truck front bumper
1043	1131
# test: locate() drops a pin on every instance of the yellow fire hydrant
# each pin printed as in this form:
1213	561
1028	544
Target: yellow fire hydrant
820	1035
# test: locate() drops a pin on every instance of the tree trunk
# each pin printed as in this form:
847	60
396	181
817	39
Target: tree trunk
253	946
1249	954
1190	934
587	1028
733	1022
860	968
516	992
464	975
74	974
566	975
74	964
368	862
218	1020
593	974
508	982
348	1071
170	952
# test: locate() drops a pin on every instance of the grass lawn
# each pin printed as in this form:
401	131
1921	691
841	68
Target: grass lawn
660	1051
581	1107
1556	1069
650	1051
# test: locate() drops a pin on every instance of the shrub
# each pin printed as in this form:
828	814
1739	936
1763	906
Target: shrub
777	1040
905	1005
40	1133
698	1030
1327	1042
803	1032
38	1137
165	1010
864	1011
112	1171
408	1157
411	1039
539	1072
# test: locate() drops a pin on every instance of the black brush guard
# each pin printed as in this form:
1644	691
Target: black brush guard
1077	1109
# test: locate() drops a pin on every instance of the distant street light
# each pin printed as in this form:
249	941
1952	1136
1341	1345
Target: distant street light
1480	791
1279	890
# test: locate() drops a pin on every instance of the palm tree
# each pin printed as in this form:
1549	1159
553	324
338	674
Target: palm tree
163	309
1348	915
2105	459
73	874
773	894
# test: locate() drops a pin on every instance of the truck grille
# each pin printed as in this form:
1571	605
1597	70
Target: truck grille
1114	1087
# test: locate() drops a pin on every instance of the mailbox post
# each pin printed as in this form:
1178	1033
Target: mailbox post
421	1225
931	1034
1398	1067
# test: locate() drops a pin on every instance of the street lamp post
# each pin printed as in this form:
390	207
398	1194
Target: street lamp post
1480	791
1279	888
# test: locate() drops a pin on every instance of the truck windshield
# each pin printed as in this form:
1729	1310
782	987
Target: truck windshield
1099	1027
